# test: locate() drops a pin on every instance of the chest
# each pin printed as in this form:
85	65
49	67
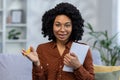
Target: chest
54	65
53	59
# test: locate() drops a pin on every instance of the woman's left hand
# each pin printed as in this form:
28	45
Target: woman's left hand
72	60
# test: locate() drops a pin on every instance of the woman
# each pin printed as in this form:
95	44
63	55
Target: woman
62	25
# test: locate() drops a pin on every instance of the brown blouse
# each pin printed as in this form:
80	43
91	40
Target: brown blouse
51	67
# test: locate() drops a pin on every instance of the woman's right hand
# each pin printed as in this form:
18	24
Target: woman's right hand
33	56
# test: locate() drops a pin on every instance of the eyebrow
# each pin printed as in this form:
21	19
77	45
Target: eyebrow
65	23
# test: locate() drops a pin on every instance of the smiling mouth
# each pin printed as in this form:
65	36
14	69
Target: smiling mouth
62	36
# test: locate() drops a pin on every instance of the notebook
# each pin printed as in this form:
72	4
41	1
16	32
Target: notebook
80	50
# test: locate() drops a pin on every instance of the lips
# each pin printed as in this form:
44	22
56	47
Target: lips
62	36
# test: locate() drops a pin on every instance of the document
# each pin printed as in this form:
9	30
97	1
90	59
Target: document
80	50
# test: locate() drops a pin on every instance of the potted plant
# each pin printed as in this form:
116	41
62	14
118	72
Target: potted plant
12	34
107	46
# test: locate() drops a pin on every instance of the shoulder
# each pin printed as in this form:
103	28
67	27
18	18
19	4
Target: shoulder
43	47
47	44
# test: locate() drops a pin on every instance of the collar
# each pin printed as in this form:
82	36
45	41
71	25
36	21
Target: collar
67	45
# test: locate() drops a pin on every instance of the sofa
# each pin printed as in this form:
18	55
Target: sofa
104	72
18	67
15	67
107	72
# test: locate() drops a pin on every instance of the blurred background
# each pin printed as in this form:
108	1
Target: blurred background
101	14
20	20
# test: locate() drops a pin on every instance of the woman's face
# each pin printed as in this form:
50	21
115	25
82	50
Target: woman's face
62	28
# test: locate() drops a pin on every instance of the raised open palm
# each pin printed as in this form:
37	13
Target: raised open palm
33	56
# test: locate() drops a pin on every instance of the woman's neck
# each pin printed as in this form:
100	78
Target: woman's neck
61	47
62	43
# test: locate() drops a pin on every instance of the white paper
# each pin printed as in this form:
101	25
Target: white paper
80	50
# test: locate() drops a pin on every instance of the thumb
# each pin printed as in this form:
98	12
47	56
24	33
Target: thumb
73	54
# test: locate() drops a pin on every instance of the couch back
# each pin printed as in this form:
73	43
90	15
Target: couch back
15	67
18	67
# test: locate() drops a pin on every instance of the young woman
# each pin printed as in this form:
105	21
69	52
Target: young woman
62	25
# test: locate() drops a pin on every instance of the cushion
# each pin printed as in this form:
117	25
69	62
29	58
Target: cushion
15	67
107	72
115	75
98	68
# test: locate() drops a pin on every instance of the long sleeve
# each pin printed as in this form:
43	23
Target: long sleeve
38	73
86	71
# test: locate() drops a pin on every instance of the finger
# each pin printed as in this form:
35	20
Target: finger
66	62
32	49
67	58
23	52
70	56
73	54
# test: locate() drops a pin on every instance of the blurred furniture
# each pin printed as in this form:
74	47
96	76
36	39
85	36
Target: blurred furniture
104	72
13	16
18	67
15	67
107	72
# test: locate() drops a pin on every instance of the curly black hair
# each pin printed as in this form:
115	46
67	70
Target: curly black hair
69	10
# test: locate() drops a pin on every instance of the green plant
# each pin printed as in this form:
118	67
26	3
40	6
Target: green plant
107	46
12	34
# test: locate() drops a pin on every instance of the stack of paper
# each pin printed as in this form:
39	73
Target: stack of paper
80	50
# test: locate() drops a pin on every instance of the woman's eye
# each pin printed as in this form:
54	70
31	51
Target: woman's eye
58	25
67	25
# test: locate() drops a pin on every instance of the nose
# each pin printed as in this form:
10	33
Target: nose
62	28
